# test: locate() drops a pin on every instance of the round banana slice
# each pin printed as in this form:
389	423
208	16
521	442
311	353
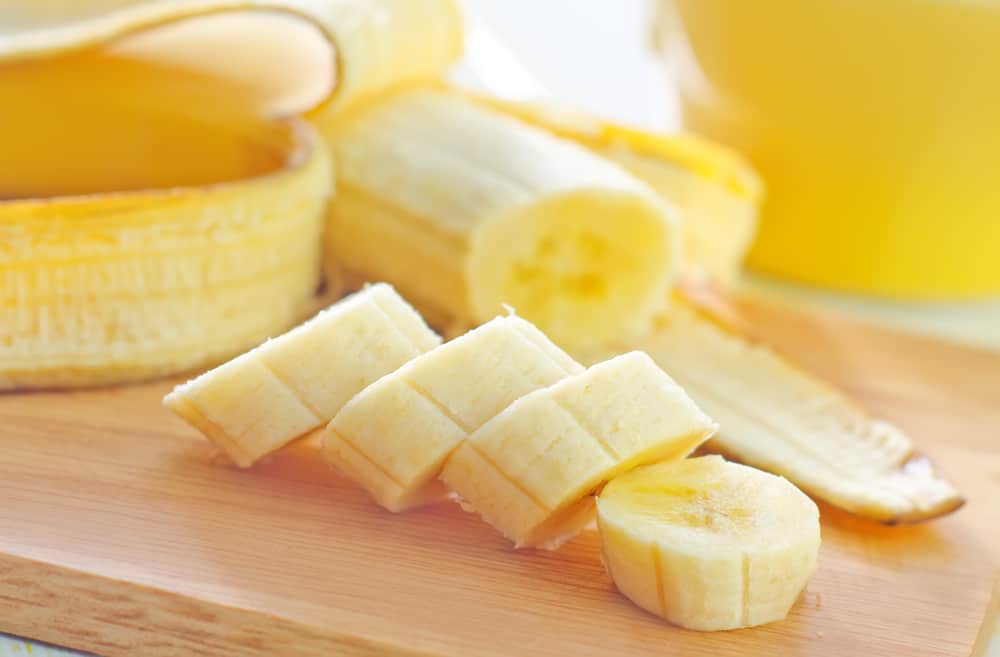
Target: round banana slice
708	545
530	471
393	437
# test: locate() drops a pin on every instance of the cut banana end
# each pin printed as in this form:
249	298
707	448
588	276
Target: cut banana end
716	190
777	417
394	436
261	400
492	211
530	471
708	545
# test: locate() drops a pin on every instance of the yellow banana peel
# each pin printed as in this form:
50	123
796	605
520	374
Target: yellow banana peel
161	204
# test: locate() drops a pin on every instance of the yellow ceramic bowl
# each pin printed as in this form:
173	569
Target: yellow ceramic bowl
876	126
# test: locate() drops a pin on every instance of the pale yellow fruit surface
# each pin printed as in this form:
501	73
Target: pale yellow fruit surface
395	435
261	400
466	209
708	545
715	190
530	471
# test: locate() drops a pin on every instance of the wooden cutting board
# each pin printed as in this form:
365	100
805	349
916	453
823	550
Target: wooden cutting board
121	535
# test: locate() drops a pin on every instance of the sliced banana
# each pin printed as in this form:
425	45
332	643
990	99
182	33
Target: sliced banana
492	211
393	437
530	471
708	545
775	416
261	400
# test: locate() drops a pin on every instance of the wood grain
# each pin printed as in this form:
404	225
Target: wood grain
122	535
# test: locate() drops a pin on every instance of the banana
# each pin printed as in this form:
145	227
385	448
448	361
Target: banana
493	211
161	206
263	399
394	436
775	416
530	471
706	544
716	190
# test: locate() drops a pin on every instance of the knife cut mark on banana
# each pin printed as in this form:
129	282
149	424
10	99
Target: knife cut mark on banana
394	437
707	544
530	470
267	397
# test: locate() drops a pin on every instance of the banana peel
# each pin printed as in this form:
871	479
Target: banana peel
161	209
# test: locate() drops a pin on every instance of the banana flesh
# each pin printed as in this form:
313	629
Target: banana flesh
531	470
265	398
492	211
708	545
716	191
181	221
394	436
776	417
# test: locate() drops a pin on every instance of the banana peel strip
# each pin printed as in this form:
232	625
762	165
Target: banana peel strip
777	417
174	259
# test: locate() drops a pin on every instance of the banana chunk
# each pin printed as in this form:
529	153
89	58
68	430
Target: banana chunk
493	211
708	545
261	400
530	471
394	436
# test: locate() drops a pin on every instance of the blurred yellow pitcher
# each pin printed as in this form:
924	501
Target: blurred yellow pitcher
876	125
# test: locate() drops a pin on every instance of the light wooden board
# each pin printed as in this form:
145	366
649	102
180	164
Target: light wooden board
120	534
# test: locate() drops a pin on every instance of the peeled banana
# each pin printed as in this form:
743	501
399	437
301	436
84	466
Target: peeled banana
531	470
716	191
466	209
776	417
156	212
394	436
706	544
263	399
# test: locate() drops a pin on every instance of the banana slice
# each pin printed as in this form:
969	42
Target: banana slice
261	400
393	437
492	211
716	190
777	417
530	471
708	545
